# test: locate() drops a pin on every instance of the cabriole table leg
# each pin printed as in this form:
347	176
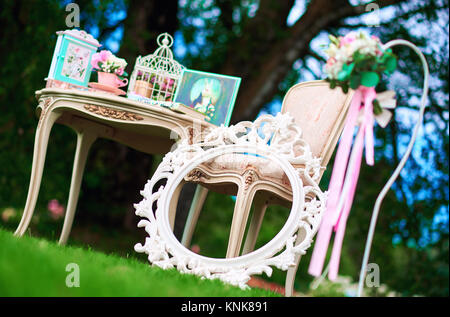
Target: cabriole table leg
194	212
45	125
84	142
260	204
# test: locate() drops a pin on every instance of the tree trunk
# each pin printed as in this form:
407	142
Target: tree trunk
144	22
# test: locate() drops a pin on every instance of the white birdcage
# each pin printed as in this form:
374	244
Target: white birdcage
156	76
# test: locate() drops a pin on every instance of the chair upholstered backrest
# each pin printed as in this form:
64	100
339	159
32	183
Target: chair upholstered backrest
320	112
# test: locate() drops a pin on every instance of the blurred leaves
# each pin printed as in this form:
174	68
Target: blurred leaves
411	241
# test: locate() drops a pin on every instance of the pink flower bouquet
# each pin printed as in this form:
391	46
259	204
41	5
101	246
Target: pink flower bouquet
357	59
105	61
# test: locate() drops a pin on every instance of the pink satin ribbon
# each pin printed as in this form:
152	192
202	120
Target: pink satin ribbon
344	179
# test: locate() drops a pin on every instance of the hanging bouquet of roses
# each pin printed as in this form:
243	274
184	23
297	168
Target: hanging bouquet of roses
105	61
358	60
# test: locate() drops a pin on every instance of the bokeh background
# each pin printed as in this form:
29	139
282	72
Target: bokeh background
267	43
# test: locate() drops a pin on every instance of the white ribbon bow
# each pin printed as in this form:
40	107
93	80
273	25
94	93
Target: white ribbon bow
386	100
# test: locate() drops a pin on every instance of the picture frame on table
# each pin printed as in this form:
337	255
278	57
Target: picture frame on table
71	62
210	94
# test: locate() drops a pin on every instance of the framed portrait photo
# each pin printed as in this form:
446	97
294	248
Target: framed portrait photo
213	95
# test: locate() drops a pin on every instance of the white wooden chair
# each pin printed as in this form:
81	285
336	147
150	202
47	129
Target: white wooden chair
320	112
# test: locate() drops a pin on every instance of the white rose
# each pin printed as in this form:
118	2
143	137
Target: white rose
117	62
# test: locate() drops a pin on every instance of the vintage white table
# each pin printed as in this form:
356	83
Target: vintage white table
148	128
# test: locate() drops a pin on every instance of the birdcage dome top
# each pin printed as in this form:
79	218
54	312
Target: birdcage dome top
162	59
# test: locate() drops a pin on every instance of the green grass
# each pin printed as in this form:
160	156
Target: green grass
37	267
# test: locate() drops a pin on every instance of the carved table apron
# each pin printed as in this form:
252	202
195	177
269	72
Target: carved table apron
148	128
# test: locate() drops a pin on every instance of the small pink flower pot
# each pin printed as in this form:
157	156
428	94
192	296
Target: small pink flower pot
143	88
111	79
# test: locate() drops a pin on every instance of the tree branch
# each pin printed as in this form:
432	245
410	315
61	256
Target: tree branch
316	56
320	15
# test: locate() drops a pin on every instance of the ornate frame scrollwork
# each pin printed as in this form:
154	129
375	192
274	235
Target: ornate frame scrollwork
275	138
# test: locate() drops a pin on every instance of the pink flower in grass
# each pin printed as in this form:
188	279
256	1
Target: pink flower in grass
8	213
195	248
56	209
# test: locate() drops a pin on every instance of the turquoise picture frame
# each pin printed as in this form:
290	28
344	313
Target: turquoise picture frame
73	61
211	94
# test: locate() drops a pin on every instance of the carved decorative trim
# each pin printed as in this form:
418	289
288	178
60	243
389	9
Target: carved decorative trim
113	113
196	176
191	135
46	102
249	178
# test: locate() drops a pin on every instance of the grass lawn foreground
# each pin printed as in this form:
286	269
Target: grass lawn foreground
36	267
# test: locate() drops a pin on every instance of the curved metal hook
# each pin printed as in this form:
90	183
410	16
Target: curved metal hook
402	162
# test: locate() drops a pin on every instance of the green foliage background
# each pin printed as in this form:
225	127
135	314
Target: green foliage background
411	245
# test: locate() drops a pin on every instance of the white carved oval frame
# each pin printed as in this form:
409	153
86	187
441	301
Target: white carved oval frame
165	251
